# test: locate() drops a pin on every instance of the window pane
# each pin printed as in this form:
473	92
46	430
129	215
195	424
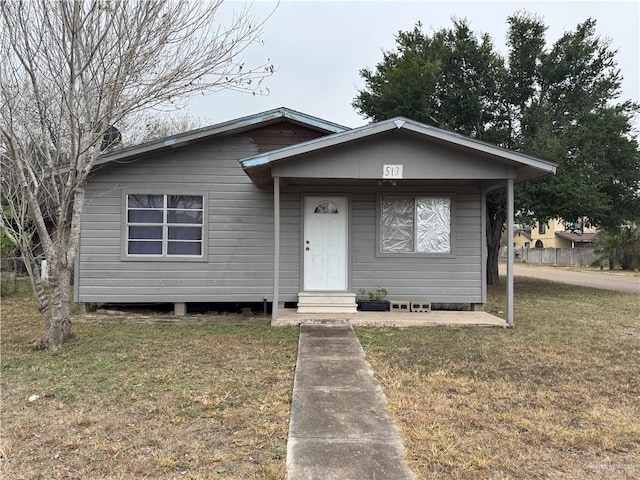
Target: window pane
185	233
434	225
145	216
145	248
184	201
397	228
146	201
184	248
184	216
325	207
145	232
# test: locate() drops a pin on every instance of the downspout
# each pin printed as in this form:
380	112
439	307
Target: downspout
276	248
510	251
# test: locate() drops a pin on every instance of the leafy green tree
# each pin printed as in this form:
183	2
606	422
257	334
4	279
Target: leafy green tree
557	103
620	246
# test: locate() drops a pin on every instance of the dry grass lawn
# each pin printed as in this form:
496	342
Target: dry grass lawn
557	397
144	401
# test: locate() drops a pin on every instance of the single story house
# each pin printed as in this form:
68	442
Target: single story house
293	209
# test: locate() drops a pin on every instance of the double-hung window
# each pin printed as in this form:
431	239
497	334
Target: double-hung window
415	225
165	225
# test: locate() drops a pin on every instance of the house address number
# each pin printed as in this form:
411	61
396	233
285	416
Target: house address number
392	171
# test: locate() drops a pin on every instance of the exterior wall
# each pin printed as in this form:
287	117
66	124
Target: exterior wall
446	279
239	263
410	278
239	247
421	159
521	240
549	238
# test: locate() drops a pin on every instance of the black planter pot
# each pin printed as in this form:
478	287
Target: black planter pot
373	305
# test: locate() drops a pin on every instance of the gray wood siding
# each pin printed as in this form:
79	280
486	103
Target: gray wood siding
445	279
421	159
239	261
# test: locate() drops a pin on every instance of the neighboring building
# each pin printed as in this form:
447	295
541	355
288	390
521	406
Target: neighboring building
557	233
521	238
293	209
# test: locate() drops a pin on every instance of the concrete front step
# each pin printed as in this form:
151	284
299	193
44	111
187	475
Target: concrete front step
327	302
322	308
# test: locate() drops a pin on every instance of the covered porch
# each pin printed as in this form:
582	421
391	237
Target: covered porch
387	184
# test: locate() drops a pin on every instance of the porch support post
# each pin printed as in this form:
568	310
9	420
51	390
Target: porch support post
483	236
276	247
510	251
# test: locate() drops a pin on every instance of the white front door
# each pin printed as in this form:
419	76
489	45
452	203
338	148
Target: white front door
325	243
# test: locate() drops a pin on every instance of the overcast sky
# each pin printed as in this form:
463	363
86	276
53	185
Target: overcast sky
318	48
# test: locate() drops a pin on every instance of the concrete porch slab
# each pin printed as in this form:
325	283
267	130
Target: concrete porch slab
289	317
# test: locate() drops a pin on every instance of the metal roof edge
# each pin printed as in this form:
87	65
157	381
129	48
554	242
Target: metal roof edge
399	123
482	146
226	127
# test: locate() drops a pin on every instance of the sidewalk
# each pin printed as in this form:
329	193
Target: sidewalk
602	280
339	428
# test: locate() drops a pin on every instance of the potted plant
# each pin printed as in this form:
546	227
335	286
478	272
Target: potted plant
372	301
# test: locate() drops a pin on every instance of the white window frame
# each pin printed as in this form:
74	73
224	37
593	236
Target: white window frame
165	225
379	200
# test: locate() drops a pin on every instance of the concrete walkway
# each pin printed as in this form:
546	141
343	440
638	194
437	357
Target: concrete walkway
339	428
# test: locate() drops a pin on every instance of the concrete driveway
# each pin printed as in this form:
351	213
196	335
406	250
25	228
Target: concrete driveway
608	281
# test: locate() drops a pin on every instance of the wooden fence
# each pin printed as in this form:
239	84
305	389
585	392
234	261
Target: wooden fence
567	257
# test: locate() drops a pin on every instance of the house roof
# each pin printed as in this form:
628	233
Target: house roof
225	128
527	166
522	231
577	237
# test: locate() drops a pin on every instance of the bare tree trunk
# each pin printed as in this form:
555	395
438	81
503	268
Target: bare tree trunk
57	321
70	71
496	217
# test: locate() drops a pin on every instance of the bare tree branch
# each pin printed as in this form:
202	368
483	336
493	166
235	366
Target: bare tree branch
73	69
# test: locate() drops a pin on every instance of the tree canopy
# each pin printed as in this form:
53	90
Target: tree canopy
559	103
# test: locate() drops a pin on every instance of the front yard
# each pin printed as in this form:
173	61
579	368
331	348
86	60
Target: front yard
144	400
558	397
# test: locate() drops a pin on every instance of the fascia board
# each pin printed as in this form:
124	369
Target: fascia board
399	123
231	126
484	147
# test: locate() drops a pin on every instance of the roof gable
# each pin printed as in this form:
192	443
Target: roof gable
231	127
526	166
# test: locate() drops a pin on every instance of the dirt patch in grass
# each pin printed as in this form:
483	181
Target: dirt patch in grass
557	397
153	398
